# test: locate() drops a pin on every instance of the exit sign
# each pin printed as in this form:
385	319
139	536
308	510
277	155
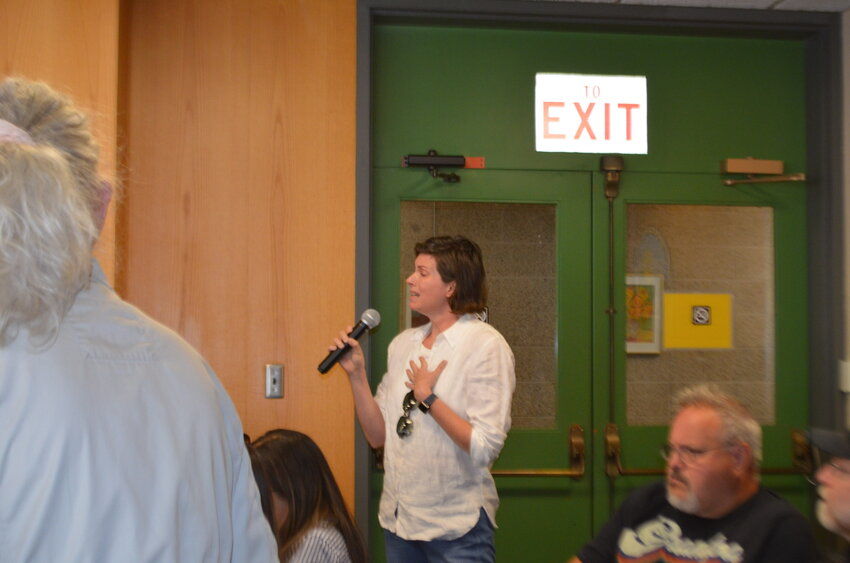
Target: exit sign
590	113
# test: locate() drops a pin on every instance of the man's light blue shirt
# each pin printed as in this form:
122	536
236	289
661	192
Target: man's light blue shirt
119	443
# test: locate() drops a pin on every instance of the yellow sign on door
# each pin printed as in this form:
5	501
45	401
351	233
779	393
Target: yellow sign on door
697	320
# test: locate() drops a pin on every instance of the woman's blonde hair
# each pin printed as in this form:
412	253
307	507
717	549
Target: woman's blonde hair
50	198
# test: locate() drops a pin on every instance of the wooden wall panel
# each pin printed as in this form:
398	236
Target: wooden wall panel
238	219
73	46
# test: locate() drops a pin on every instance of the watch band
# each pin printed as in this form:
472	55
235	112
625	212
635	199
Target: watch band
426	403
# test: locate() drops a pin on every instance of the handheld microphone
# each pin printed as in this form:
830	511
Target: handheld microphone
368	320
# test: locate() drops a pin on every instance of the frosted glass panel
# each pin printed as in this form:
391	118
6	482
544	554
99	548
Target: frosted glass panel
518	243
712	250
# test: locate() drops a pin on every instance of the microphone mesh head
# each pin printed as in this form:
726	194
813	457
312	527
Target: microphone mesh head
371	318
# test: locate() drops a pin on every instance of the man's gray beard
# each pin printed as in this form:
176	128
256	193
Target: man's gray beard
688	505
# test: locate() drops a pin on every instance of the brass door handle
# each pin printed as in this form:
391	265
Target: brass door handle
576	469
800	455
613	464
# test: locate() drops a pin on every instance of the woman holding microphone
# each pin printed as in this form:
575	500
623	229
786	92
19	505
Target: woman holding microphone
441	412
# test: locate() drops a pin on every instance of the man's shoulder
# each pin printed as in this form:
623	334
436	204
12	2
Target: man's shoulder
767	502
643	511
652	492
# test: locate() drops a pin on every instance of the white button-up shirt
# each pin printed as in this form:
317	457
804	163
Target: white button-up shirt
433	489
119	443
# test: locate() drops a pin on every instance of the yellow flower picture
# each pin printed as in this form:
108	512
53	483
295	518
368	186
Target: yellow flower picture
643	304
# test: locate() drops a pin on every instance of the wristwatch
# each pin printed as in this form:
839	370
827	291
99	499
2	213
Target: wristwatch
426	403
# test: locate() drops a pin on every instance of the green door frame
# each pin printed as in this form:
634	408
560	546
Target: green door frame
822	34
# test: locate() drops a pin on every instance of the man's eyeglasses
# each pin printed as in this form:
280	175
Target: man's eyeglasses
405	425
687	454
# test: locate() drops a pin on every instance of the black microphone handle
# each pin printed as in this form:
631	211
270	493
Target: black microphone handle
334	356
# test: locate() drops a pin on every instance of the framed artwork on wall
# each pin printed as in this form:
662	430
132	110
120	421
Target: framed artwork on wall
643	313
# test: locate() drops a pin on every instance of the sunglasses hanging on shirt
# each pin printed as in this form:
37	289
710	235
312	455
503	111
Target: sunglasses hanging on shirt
405	425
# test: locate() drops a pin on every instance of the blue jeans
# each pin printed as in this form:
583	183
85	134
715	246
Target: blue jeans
476	545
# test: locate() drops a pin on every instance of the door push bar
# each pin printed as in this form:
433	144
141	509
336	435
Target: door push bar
801	457
575	471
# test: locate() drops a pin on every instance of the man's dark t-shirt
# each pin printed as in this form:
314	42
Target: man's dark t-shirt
647	529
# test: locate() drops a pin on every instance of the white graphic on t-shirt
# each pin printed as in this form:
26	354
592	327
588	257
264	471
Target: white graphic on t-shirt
662	535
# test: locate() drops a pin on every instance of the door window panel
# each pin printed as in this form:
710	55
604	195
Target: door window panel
518	243
706	249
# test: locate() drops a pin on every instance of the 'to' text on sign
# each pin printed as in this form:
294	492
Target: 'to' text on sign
590	113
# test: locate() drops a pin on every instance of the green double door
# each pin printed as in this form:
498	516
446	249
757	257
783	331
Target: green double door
558	253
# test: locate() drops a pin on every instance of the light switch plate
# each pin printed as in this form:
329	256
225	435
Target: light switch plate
274	381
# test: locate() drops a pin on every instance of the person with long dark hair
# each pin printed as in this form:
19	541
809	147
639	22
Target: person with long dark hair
302	500
441	412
